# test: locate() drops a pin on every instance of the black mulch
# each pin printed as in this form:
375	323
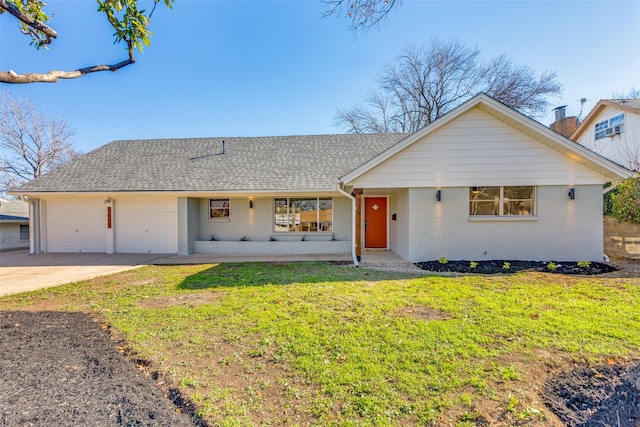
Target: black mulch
63	369
607	395
497	267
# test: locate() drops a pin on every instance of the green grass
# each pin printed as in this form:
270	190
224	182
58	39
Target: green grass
312	343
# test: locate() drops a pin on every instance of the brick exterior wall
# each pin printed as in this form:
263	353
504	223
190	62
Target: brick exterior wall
565	126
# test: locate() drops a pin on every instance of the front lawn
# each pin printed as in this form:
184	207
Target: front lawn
315	343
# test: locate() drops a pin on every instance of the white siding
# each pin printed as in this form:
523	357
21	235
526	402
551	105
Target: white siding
477	149
623	149
563	230
10	236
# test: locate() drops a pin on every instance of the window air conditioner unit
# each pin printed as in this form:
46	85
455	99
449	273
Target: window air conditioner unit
609	131
618	129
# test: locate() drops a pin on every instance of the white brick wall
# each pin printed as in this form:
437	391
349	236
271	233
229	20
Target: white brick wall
564	229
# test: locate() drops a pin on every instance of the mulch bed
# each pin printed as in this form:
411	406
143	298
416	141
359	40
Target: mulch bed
61	368
497	267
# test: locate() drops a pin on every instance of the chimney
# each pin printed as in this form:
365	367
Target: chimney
564	125
560	112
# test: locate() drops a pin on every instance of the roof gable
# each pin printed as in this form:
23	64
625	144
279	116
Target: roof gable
628	105
560	145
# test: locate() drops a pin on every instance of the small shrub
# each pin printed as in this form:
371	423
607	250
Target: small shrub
273	239
244	239
473	264
584	264
552	266
443	260
506	265
303	238
213	238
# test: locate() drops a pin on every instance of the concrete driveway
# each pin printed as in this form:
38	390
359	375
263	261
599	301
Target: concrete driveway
21	272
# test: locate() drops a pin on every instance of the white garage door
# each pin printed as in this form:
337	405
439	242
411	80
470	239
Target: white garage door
146	226
76	226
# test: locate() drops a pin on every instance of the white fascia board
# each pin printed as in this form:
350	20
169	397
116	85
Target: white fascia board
157	194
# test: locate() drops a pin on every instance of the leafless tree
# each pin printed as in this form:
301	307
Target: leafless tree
425	82
633	93
31	143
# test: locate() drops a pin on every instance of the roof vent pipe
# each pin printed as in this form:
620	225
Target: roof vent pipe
560	112
224	148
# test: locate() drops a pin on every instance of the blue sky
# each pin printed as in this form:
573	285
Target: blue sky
249	68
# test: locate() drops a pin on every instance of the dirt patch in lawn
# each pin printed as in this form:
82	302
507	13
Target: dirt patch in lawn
190	300
421	312
60	368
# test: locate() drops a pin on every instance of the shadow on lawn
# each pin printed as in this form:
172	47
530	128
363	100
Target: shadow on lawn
283	273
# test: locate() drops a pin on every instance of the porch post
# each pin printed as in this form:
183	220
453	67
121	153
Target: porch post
357	193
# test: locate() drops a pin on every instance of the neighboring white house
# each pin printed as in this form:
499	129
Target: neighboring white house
612	129
482	182
14	224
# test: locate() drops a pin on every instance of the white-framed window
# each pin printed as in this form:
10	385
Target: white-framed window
24	232
502	201
610	127
219	209
303	215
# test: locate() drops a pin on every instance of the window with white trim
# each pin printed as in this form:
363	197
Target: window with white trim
610	127
219	209
303	215
502	201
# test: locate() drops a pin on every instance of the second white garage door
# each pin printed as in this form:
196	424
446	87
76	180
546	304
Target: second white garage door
146	226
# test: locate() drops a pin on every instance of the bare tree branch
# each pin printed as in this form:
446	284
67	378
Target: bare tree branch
54	75
364	14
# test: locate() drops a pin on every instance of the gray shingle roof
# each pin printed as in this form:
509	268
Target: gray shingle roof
632	103
296	163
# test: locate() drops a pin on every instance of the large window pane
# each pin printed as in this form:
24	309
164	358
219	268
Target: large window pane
306	214
303	215
503	201
484	201
325	215
282	219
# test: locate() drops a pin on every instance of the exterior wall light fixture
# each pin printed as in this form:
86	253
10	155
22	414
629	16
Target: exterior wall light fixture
439	195
572	193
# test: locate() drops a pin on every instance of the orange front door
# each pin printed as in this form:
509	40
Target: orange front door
375	222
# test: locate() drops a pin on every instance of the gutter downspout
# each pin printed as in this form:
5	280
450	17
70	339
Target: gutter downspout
339	187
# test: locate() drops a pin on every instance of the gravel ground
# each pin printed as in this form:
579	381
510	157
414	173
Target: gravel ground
63	369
